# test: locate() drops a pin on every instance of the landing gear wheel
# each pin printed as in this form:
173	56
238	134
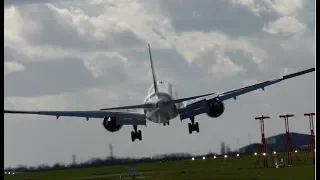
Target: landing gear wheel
132	136
139	135
193	126
190	128
166	123
197	127
136	134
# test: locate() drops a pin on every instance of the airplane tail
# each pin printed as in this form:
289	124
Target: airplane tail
153	72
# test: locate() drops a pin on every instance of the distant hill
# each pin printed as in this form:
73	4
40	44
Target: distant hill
277	143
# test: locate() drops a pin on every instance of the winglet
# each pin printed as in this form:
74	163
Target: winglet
153	72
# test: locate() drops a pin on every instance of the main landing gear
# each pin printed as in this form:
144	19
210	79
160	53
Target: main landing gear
166	123
193	126
136	134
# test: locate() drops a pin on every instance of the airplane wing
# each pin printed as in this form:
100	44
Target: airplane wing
222	96
191	110
201	106
237	92
123	118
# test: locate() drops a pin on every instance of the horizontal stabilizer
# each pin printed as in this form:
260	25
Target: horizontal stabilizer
139	106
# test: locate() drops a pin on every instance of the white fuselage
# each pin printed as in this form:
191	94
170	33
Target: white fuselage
162	114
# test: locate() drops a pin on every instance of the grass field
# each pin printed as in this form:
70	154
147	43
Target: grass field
220	168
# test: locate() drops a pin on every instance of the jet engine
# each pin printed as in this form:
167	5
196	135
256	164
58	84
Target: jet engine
111	125
216	108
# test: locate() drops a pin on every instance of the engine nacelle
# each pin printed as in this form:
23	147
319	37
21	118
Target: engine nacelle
111	125
216	108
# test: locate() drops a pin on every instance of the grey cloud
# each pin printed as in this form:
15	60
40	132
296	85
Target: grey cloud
11	54
242	59
67	75
208	15
8	54
25	2
112	72
170	63
298	56
189	77
59	31
165	59
306	14
48	77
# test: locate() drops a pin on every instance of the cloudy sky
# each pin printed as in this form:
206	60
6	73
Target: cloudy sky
91	54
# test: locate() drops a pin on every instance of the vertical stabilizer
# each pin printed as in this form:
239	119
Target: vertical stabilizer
153	73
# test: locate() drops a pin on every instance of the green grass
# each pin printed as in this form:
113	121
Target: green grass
220	168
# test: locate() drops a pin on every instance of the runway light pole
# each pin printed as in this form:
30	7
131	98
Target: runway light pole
263	142
312	137
288	140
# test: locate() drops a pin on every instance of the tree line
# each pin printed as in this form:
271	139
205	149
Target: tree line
109	161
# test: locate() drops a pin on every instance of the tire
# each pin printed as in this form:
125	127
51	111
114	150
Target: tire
132	136
197	127
140	135
190	128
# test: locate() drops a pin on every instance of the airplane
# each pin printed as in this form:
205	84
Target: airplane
162	105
